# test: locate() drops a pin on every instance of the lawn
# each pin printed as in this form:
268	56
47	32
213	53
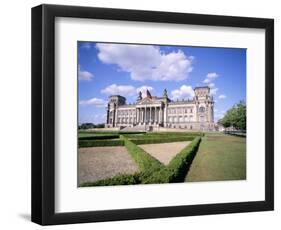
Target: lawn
219	157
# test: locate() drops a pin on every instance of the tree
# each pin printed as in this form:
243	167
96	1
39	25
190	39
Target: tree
90	126
235	117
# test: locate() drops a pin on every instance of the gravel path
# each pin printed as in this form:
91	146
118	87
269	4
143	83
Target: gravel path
165	152
98	163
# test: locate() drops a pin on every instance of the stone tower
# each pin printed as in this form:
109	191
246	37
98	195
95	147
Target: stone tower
204	106
114	102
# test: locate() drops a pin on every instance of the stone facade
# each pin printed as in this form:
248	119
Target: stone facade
151	111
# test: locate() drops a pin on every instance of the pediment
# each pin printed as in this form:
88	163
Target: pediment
146	100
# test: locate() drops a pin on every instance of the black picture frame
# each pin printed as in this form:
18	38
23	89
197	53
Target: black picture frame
43	114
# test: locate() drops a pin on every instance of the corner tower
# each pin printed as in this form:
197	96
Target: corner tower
204	107
114	102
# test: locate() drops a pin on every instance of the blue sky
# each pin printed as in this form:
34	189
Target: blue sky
125	69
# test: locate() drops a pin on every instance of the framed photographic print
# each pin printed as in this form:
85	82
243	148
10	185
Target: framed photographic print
142	114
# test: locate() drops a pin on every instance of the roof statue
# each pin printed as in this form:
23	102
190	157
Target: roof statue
139	96
165	94
148	94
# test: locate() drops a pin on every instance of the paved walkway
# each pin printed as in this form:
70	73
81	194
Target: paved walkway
165	152
98	163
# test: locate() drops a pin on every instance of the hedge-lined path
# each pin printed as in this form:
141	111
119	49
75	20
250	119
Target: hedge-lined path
219	157
97	163
165	152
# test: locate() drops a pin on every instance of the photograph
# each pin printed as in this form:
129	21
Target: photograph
140	114
154	114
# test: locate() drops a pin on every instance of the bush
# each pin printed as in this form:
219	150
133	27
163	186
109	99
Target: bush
160	136
177	168
99	137
131	132
97	143
144	160
162	140
117	180
151	170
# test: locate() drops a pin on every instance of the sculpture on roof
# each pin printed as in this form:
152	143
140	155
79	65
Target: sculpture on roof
139	96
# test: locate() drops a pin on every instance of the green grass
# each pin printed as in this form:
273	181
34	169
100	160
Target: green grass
219	157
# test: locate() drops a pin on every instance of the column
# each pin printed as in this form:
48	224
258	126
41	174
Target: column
145	114
137	116
150	113
161	115
107	117
165	115
158	115
154	117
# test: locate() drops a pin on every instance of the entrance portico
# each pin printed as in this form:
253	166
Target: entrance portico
149	114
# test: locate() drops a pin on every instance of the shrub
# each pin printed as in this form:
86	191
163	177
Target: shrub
178	167
117	180
99	137
151	170
131	132
97	143
161	140
144	160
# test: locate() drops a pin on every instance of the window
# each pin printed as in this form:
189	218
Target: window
201	109
180	119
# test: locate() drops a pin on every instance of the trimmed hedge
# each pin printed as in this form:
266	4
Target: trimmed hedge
97	143
117	180
178	167
100	137
147	165
162	140
144	160
152	171
158	136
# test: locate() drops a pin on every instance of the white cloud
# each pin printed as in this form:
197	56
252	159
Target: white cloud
214	91
222	96
211	85
143	89
185	91
146	62
126	90
210	77
94	101
84	75
86	45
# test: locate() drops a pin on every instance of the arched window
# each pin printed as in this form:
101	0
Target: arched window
201	109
